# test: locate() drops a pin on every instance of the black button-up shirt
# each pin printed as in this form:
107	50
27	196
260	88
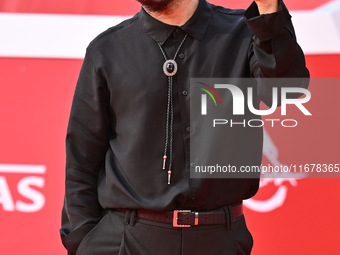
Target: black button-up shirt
116	133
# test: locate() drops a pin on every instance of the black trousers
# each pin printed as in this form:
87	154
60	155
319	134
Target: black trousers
124	234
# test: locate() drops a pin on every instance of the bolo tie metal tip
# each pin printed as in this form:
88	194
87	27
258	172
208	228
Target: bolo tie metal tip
169	177
164	161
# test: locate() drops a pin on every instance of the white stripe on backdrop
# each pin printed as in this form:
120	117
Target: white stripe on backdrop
67	36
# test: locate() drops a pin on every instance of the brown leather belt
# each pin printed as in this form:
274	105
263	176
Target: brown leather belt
188	218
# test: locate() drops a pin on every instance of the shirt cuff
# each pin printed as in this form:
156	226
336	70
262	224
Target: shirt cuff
266	26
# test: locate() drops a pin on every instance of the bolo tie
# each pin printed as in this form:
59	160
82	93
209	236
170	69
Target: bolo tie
170	68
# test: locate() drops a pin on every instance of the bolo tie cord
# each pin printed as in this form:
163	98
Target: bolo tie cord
170	69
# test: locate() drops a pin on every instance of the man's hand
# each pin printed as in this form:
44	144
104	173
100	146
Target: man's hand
267	6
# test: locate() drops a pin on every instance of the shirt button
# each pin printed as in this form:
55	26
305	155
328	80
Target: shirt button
184	93
181	55
188	129
178	29
193	198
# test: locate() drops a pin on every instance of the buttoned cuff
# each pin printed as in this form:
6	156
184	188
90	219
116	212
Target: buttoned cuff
266	26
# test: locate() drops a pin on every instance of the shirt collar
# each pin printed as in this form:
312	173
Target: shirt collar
196	26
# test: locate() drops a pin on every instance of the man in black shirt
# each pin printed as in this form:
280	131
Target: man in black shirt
128	139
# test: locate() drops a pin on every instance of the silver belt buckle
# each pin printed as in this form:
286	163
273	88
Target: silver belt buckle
175	219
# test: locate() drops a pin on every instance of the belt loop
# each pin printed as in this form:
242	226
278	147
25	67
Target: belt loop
228	217
127	217
132	218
